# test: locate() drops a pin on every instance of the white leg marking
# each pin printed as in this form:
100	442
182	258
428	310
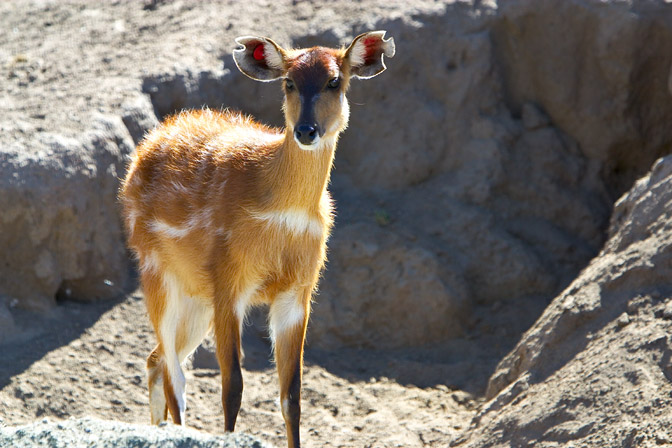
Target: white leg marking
243	303
195	317
286	312
157	400
168	329
285	406
295	220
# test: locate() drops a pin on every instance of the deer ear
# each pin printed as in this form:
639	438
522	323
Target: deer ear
259	58
365	54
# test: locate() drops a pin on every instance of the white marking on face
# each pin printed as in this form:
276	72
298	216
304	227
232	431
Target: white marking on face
168	230
345	112
295	220
286	312
312	147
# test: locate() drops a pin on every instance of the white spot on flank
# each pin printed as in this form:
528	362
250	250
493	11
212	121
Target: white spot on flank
178	186
166	229
201	219
286	312
295	220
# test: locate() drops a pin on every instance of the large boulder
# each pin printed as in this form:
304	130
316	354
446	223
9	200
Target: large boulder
505	205
385	293
60	228
596	367
600	70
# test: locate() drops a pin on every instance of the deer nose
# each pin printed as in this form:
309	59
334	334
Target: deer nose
305	133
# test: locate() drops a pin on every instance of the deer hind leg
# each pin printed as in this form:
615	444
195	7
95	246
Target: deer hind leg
157	399
163	297
288	318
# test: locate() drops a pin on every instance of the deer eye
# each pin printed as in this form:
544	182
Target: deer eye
289	85
334	83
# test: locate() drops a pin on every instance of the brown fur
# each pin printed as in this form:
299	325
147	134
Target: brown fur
193	198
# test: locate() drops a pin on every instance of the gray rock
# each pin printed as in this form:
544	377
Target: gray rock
598	69
7	325
533	118
91	432
600	352
381	292
138	117
61	231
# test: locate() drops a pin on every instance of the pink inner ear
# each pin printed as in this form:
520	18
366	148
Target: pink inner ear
371	45
258	53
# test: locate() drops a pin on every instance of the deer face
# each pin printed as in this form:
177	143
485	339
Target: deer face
315	80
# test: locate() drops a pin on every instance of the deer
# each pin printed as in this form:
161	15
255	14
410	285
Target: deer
224	213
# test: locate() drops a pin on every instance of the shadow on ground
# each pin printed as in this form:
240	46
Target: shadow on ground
39	333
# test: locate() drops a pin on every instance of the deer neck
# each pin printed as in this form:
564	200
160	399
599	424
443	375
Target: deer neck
298	177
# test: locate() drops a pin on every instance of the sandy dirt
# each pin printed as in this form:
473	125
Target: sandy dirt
88	360
64	62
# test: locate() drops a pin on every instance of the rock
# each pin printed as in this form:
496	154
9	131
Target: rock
7	326
381	292
89	432
533	118
205	357
623	320
600	353
667	311
604	82
60	225
139	118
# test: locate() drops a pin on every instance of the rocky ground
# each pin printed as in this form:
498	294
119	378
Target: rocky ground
88	360
497	275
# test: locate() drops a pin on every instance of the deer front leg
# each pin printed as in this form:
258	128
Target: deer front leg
227	337
230	308
288	319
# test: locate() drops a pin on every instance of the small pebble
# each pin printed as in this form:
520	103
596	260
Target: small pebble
667	312
623	320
